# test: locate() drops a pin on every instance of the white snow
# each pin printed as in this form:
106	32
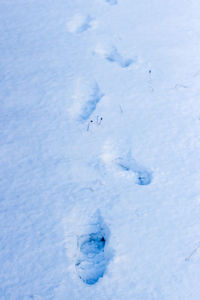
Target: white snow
100	150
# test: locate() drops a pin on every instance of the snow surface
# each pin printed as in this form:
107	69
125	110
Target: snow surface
100	150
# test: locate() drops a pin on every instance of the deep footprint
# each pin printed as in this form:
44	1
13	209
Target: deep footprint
93	255
144	177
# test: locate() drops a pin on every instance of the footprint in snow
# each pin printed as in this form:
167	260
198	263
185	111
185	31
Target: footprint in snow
112	2
143	175
34	297
91	103
112	55
80	23
85	100
93	252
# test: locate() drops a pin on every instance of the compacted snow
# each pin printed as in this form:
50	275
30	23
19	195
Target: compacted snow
100	150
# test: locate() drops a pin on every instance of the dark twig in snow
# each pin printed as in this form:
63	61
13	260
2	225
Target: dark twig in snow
121	110
192	253
150	81
98	122
88	127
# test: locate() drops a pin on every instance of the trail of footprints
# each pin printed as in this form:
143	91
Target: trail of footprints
93	254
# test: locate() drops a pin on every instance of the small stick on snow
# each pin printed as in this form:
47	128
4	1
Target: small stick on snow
100	121
192	253
150	81
150	73
121	110
88	127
